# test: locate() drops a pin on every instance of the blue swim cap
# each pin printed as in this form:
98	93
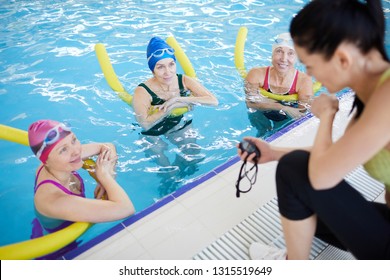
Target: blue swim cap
158	49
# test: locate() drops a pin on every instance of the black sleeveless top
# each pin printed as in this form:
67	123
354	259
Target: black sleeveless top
168	122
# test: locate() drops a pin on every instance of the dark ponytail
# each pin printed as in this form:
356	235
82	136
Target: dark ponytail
358	105
374	8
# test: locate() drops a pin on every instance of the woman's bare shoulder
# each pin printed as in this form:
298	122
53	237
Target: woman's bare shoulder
256	74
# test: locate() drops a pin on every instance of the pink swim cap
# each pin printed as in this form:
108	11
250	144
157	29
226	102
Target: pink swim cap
44	135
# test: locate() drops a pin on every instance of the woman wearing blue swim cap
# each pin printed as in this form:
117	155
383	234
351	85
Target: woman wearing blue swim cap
153	102
166	90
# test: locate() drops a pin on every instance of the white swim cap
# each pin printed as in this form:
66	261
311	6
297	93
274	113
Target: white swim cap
283	40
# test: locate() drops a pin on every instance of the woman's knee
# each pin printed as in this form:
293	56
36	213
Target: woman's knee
293	165
293	185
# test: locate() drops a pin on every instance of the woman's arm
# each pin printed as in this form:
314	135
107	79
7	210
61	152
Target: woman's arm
330	162
199	96
268	152
92	149
253	81
305	89
260	102
263	103
142	105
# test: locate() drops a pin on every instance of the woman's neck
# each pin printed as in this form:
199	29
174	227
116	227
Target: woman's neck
280	82
60	176
163	90
66	179
281	78
163	87
367	72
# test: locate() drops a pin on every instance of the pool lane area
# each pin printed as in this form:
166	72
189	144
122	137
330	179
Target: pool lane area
187	222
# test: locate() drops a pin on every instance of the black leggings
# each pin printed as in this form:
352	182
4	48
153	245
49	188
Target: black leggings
345	218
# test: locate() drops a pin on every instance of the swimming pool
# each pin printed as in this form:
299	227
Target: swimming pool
49	70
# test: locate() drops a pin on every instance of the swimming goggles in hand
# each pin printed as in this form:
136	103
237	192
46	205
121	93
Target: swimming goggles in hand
244	173
52	136
160	52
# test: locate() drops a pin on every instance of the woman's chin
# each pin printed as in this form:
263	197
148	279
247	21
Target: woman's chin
77	163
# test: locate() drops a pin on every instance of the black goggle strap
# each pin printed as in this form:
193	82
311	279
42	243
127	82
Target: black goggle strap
244	174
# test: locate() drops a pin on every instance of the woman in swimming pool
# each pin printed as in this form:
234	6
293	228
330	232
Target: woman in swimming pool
281	79
59	191
341	43
165	91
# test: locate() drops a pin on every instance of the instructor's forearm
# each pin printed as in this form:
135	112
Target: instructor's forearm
279	152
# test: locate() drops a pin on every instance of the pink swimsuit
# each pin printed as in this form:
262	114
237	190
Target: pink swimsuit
52	224
293	88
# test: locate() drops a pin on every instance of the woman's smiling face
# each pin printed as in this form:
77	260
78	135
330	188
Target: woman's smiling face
283	59
66	155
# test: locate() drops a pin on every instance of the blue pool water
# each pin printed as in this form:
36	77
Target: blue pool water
48	69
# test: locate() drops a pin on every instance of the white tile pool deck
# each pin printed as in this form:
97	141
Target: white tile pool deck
183	227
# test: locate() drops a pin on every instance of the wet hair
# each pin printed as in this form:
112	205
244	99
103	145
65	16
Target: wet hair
322	25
